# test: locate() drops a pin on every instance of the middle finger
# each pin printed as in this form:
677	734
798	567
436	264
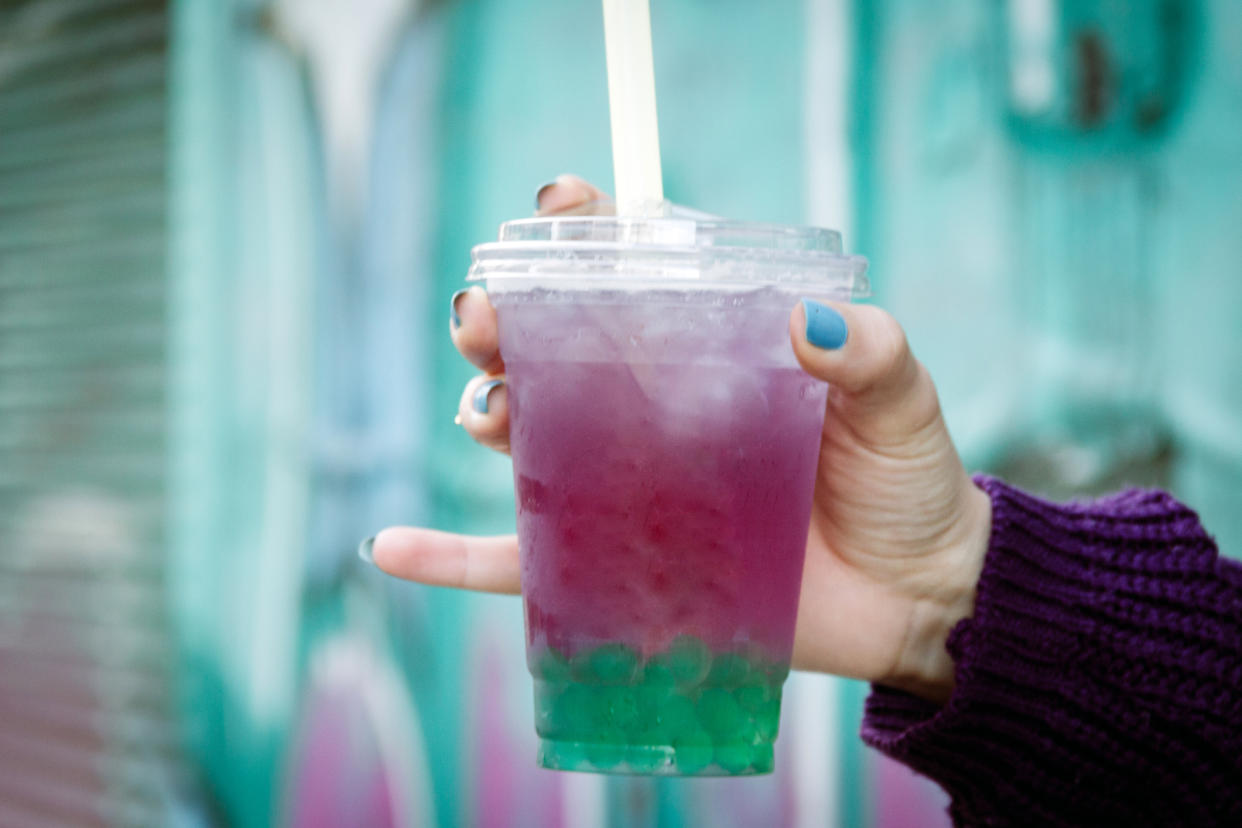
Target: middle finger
472	324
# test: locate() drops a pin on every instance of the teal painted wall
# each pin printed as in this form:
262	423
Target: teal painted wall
313	384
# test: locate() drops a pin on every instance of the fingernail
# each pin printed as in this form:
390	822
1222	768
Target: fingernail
825	328
364	550
454	316
539	193
482	392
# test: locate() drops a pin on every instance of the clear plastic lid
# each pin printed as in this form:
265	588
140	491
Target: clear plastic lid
667	251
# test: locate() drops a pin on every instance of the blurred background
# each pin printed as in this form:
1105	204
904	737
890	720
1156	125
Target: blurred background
229	231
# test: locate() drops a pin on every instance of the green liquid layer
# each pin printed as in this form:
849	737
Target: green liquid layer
684	712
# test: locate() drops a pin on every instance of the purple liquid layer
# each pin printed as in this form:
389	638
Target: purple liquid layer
664	458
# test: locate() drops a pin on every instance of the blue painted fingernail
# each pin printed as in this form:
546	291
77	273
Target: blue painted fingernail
825	328
454	316
482	392
364	550
539	193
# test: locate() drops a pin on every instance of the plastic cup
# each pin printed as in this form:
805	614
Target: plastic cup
664	444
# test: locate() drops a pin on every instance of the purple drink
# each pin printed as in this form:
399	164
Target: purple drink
665	443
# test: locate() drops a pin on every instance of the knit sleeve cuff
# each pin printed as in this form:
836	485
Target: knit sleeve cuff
1084	618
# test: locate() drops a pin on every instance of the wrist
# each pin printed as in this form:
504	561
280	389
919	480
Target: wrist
925	668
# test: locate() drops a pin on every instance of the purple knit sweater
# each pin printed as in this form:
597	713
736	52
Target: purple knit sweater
1099	681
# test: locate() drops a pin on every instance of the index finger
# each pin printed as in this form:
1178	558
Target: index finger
473	319
482	564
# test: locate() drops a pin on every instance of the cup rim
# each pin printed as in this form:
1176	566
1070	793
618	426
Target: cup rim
668	251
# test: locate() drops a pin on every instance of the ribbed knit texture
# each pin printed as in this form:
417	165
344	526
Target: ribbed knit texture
1099	681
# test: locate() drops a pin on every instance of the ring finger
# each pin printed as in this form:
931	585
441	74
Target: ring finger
484	411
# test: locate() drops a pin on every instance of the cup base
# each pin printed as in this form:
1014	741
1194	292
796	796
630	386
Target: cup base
657	760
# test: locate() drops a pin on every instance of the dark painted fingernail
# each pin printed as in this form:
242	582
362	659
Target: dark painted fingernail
825	328
454	316
539	193
483	392
364	550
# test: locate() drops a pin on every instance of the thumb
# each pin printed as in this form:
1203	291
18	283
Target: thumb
861	351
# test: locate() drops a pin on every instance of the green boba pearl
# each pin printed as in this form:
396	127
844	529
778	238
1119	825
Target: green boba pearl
728	669
688	660
647	761
608	749
609	664
547	721
675	718
694	751
575	711
650	699
773	671
580	667
719	711
656	755
619	707
746	733
563	755
733	757
752	697
657	673
759	661
762	758
615	663
768	719
551	666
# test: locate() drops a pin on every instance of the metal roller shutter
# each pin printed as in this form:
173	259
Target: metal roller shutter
85	655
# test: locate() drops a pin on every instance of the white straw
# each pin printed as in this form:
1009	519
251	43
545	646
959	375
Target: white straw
632	105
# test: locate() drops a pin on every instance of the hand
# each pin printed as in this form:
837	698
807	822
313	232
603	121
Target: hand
898	530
